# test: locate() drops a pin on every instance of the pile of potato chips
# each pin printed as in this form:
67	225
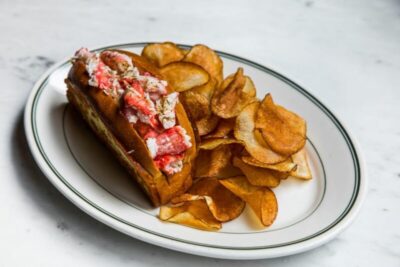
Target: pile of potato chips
246	146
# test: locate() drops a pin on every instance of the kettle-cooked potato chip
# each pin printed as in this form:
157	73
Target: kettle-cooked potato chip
183	76
192	213
210	144
197	105
233	95
216	163
207	59
206	89
283	130
224	128
162	54
207	125
245	131
285	166
243	146
184	51
303	170
223	204
261	199
259	176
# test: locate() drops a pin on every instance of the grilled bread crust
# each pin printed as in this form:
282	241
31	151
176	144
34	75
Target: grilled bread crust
102	114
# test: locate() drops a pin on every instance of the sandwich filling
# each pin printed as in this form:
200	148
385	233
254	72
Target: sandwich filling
144	102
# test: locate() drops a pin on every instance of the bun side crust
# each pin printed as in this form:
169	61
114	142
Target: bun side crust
103	115
89	113
108	107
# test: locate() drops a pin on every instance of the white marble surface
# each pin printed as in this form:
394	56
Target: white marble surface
347	53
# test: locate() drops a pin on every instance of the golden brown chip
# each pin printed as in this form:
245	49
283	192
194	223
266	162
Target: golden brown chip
224	83
227	205
207	59
245	131
184	51
162	54
224	128
283	130
219	159
216	163
183	76
202	163
194	213
207	89
207	125
196	105
303	169
223	204
261	199
197	100
285	166
259	176
231	97
211	144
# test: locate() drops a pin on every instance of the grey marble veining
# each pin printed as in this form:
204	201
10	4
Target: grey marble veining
347	53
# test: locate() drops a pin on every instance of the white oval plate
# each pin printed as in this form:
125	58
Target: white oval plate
310	212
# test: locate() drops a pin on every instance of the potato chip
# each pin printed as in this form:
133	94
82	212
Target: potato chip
183	76
216	163
219	158
207	59
207	125
211	144
303	169
245	146
162	54
285	166
196	104
227	80
261	199
223	204
202	163
207	89
197	100
194	213
231	97
184	51
283	130
244	131
259	176
224	128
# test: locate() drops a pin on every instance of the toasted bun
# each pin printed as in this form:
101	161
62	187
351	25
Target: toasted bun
103	115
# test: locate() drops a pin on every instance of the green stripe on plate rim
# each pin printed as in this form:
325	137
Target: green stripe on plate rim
295	86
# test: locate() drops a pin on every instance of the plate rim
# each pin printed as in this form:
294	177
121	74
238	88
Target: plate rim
321	237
